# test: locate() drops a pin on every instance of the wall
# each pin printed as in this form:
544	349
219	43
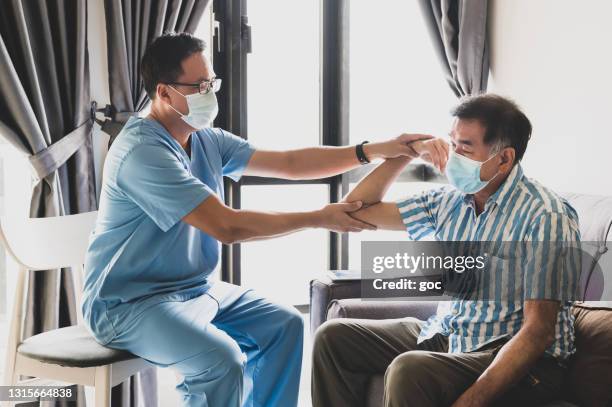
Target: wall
554	58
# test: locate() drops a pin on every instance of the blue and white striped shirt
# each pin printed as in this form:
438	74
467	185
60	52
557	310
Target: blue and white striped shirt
521	210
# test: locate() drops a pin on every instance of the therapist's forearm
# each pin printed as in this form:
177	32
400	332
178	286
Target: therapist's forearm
255	225
230	225
327	161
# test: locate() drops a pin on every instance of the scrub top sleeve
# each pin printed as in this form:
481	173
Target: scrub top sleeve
235	153
157	181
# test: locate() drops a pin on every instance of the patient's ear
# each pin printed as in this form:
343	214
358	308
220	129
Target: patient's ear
508	155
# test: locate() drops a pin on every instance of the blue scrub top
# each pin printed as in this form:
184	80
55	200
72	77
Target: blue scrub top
140	252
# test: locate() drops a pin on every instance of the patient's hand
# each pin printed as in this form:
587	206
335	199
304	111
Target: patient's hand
434	151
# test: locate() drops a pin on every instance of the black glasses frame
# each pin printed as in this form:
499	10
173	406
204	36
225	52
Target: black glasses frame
203	87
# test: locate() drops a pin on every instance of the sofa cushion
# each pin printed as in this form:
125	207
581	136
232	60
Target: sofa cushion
590	373
595	220
594	215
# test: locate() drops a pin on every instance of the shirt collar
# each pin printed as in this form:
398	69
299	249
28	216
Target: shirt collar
502	196
167	136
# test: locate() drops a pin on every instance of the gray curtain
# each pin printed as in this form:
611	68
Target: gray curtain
458	29
45	114
130	26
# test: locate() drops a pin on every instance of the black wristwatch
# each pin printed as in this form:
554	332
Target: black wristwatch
360	154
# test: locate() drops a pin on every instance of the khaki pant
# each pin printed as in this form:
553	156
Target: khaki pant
348	352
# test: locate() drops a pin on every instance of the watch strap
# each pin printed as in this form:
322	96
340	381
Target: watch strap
363	159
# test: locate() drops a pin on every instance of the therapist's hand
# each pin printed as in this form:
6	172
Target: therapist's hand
337	217
399	146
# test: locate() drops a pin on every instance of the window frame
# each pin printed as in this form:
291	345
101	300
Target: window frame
231	45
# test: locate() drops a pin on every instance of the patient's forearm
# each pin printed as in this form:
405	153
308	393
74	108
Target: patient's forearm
383	215
372	188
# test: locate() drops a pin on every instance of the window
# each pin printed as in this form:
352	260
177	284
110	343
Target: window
396	83
396	86
289	65
283	113
271	95
283	74
282	268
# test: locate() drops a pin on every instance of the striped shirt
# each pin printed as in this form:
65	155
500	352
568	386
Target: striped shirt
521	210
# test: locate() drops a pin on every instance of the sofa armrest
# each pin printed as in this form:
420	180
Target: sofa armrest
323	291
327	300
367	309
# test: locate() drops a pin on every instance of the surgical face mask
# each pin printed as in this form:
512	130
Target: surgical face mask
203	109
464	173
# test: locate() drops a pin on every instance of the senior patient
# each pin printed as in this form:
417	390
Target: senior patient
473	352
161	218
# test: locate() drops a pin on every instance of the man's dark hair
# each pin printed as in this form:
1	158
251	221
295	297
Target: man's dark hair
161	62
505	124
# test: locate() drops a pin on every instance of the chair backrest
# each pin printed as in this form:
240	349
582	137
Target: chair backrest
48	243
45	244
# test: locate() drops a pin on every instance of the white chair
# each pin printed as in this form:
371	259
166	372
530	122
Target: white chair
64	356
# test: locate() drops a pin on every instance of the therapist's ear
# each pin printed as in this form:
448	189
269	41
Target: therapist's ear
163	93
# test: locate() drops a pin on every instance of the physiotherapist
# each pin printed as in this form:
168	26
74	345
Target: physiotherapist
156	241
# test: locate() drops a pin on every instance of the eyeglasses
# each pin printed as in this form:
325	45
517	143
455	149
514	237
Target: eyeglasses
203	87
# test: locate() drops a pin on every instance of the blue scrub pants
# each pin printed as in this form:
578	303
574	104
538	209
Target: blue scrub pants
231	347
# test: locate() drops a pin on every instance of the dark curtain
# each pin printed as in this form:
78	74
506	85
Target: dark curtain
458	29
130	26
45	114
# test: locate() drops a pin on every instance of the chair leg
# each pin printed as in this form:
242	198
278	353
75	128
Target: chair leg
11	378
14	337
103	386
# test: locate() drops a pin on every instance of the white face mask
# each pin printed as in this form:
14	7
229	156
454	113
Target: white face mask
203	109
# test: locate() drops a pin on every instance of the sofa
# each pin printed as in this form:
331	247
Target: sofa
589	379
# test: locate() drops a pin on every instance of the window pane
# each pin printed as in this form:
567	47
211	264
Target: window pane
283	74
396	84
281	268
397	191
